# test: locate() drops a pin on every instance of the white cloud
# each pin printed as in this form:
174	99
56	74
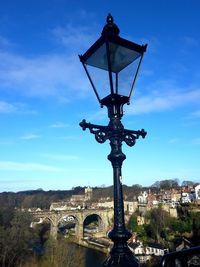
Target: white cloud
19	108
190	41
196	141
4	42
57	75
195	114
59	125
30	136
74	38
49	75
6	107
60	157
18	166
173	141
159	101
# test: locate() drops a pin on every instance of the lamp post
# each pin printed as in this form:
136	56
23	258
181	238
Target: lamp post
112	55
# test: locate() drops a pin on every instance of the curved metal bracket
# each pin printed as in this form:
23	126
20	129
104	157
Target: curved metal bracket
129	137
103	133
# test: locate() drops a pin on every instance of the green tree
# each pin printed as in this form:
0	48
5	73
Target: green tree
138	229
132	224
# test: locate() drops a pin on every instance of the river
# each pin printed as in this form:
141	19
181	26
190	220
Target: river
91	257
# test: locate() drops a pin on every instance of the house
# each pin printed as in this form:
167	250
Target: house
144	253
195	193
142	198
152	200
82	198
139	252
185	197
130	206
105	204
59	206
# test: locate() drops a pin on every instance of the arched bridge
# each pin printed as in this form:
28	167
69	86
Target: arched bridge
103	219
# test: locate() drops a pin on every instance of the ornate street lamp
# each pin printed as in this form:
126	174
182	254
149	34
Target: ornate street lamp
110	57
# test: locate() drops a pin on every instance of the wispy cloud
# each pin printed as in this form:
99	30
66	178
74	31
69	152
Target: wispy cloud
190	41
161	101
195	114
60	157
18	108
30	136
196	141
6	107
53	74
4	42
59	125
18	166
173	141
76	38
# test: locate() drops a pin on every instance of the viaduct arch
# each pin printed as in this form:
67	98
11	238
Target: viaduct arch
55	217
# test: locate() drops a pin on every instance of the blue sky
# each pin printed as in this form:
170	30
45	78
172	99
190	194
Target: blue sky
44	93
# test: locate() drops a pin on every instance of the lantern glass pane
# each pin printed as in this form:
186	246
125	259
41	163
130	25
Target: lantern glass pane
121	57
126	77
99	58
100	79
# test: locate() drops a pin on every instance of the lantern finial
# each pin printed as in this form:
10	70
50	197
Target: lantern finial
110	28
109	19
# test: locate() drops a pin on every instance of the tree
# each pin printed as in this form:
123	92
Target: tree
17	240
196	227
158	223
138	229
179	226
132	224
187	183
167	184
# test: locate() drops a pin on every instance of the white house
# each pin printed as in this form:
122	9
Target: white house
144	253
185	197
197	192
143	198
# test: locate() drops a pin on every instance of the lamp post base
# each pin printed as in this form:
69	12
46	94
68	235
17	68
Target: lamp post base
125	259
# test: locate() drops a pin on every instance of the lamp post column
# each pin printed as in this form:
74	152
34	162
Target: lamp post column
120	254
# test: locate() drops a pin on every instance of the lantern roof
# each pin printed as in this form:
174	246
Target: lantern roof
125	51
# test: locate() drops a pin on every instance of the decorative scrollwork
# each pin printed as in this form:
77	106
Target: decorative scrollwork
101	136
129	139
102	133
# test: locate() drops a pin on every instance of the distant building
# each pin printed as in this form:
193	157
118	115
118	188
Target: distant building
185	197
143	198
82	198
190	193
152	200
88	193
75	202
105	204
144	253
59	206
195	193
130	206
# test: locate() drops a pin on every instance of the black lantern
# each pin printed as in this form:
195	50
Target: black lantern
106	63
107	60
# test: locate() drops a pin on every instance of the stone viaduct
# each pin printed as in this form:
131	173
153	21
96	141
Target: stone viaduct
55	217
